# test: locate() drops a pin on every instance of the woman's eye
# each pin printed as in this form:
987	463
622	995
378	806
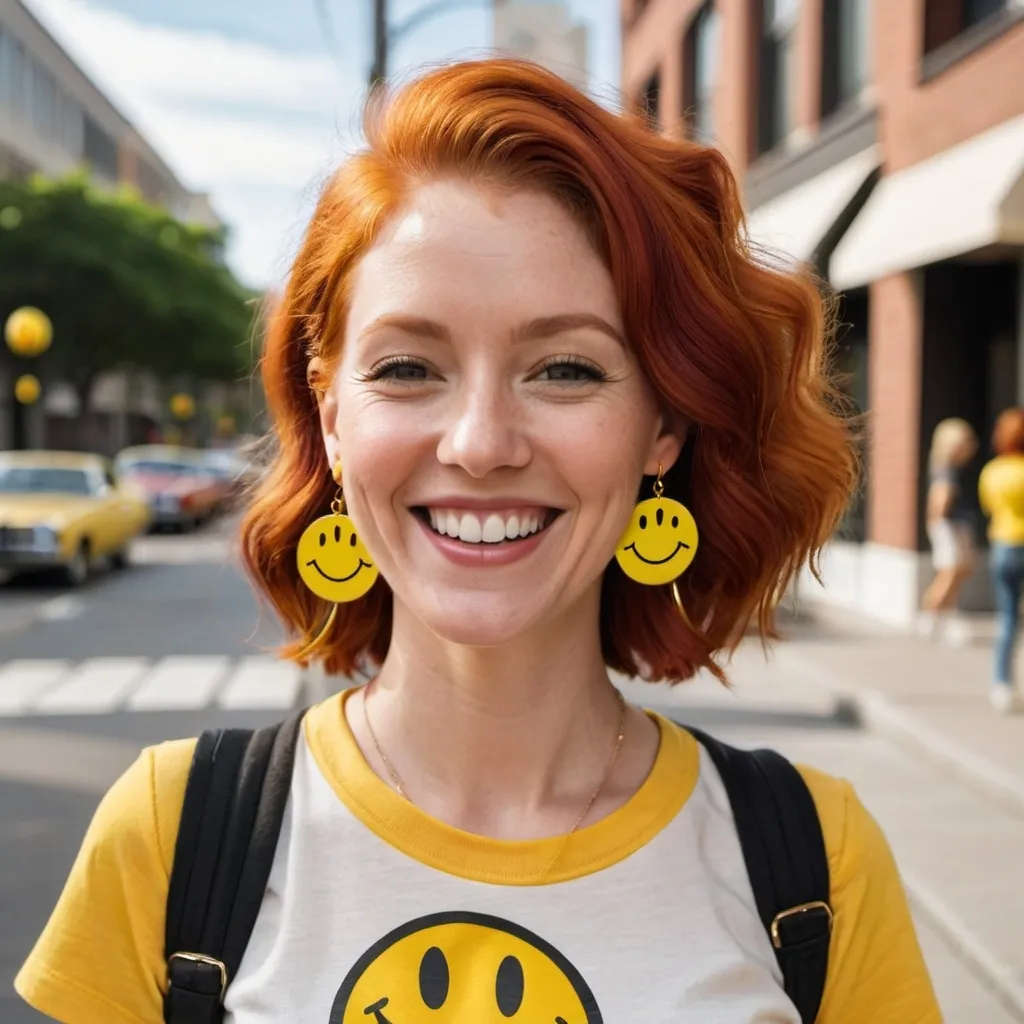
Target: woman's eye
571	372
405	371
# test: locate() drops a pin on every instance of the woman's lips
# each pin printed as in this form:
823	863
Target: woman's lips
482	553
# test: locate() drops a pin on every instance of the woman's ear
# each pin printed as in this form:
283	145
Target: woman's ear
327	405
667	444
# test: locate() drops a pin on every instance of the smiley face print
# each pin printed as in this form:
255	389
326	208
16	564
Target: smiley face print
660	542
333	562
461	967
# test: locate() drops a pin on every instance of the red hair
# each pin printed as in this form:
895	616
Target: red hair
730	345
1008	435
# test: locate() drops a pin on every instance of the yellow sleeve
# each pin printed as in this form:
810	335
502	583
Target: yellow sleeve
876	971
100	959
983	496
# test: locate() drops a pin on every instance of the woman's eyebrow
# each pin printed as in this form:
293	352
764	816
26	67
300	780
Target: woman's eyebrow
540	327
548	326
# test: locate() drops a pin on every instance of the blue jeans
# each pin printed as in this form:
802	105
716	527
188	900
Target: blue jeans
1008	580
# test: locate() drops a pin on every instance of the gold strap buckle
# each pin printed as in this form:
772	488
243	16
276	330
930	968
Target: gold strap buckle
209	961
793	912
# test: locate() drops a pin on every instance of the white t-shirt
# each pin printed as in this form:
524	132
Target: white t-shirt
376	912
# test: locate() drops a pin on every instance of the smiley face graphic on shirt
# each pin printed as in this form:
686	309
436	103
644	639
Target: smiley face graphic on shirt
461	967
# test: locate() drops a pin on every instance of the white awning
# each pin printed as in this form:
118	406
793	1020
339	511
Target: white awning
793	225
960	200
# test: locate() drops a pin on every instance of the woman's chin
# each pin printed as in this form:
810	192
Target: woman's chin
477	621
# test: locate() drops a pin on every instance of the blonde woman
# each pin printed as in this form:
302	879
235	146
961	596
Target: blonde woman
949	517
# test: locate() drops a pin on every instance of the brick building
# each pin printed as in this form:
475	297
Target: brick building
881	141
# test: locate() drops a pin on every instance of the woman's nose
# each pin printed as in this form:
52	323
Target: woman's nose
486	432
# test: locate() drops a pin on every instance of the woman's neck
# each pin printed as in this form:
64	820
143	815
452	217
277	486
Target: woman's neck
509	742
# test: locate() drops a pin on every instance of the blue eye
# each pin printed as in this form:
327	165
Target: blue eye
572	370
403	369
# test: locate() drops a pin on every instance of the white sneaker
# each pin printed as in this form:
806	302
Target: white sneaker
1002	698
957	633
927	625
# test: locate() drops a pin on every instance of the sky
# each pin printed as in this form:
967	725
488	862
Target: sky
255	101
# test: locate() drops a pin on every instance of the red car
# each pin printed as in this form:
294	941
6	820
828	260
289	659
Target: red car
182	492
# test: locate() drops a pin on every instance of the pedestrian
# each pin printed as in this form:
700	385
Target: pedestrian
541	416
1001	491
950	523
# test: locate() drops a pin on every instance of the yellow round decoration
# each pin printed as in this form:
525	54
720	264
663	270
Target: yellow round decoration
332	560
660	542
28	332
27	389
453	968
183	406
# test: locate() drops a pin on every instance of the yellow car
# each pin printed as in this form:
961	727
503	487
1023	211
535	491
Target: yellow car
65	510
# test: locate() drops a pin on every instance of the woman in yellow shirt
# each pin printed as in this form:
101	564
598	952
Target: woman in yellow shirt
1001	491
525	359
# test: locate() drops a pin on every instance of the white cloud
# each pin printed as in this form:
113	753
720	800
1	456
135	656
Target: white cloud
253	126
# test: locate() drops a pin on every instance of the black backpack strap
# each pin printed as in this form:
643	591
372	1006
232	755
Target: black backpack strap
235	801
784	851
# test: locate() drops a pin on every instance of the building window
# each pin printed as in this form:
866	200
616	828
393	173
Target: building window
944	20
650	99
776	72
100	150
845	53
700	59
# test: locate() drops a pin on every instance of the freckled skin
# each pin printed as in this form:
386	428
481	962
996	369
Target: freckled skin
660	542
333	562
463	967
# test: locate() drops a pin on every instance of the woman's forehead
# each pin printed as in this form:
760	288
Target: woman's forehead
453	242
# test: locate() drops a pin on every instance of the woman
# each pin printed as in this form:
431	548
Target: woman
949	518
1001	490
515	316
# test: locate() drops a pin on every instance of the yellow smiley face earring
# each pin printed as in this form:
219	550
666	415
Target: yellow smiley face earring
660	542
333	562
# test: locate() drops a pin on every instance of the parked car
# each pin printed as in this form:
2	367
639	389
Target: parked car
235	472
65	510
182	491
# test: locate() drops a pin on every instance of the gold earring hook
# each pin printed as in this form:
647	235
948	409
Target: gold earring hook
659	487
338	501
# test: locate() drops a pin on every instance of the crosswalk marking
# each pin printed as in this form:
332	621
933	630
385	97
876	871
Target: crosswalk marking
99	686
262	683
31	686
22	681
179	683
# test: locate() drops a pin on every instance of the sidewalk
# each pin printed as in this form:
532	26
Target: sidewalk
931	697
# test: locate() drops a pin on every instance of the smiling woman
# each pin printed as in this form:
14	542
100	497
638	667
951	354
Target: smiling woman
541	414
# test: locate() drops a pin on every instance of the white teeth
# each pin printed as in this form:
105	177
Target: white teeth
494	530
470	530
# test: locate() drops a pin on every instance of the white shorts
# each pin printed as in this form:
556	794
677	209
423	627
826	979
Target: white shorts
952	544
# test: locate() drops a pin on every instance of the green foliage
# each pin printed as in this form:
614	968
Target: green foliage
124	283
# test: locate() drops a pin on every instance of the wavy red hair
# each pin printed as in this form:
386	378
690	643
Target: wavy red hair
732	346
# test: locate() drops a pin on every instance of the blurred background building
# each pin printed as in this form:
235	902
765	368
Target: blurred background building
881	142
53	120
545	33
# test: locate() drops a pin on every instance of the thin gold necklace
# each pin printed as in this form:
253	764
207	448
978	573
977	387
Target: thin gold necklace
400	789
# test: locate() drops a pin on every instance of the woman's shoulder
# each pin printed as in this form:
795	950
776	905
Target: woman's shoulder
100	957
146	801
874	958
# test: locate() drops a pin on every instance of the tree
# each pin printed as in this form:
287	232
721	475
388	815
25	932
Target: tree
124	282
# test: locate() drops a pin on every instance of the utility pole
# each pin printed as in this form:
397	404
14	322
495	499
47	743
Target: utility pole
379	71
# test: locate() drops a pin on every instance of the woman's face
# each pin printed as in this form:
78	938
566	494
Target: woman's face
490	418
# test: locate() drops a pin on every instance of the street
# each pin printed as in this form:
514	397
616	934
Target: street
176	643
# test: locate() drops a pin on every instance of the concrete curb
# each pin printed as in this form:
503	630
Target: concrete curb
1002	980
875	711
881	715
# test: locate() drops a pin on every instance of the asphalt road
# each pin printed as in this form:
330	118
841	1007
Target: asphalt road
64	737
